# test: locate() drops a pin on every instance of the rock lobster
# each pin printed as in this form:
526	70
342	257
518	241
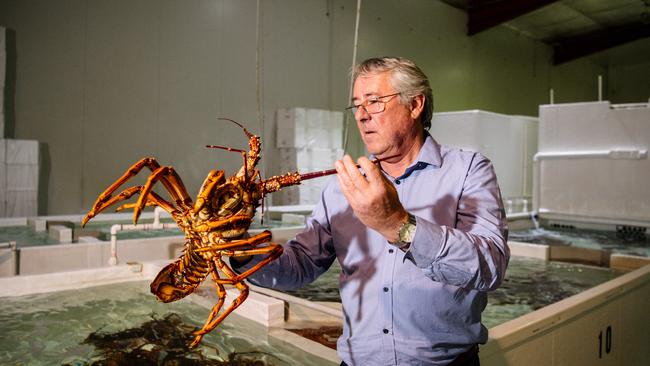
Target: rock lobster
215	225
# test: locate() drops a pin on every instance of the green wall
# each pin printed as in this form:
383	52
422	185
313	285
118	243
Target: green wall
102	84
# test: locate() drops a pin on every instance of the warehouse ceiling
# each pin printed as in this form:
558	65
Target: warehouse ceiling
574	28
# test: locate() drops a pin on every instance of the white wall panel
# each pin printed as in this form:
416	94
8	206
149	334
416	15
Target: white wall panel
101	85
3	71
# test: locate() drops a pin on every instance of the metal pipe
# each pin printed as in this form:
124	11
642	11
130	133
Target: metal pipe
610	154
600	88
10	245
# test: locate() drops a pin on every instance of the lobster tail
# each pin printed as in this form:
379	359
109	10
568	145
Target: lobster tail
166	287
176	280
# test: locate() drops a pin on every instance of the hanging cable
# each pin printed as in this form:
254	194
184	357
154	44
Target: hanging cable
258	91
346	116
258	71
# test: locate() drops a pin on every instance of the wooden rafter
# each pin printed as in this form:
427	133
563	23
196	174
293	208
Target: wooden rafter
575	47
484	14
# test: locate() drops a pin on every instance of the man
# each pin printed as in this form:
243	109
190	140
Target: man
420	234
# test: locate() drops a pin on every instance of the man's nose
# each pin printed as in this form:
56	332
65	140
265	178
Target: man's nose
362	114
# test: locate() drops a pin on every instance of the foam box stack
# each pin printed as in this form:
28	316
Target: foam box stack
510	142
309	140
19	169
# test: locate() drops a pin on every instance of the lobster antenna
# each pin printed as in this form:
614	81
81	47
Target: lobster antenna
235	122
243	152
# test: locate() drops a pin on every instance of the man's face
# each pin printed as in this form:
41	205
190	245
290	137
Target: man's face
387	133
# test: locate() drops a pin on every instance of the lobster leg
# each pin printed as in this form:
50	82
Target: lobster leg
262	237
153	200
178	194
221	293
273	251
169	177
103	204
234	221
214	177
212	321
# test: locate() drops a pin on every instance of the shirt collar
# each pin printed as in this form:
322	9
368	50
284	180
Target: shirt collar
429	155
430	152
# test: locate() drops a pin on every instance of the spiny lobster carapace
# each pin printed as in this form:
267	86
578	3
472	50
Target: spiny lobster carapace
214	225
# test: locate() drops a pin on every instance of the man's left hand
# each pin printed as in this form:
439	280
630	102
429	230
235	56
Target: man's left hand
372	197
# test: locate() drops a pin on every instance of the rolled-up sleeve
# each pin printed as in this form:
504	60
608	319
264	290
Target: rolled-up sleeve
472	254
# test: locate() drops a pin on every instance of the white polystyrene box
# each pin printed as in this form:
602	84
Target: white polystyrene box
37	224
591	126
22	151
599	185
315	118
290	127
61	233
504	139
307	160
22	177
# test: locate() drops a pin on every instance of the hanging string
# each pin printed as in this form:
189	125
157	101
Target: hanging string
258	92
258	70
346	116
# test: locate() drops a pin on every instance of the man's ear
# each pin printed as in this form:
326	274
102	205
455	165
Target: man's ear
417	106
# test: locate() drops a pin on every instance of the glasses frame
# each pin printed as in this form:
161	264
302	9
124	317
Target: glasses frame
372	100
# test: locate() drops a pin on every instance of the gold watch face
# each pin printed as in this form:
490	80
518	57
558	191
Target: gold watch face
407	233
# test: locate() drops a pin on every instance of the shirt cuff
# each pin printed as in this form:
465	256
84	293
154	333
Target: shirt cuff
428	240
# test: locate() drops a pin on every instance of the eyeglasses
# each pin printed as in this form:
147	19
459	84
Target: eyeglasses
373	105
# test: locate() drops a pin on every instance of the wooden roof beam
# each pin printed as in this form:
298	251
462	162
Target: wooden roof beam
484	14
568	49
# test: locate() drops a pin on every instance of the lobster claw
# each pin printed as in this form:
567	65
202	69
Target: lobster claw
166	284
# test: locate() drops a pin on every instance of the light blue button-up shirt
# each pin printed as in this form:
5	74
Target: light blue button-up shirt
423	306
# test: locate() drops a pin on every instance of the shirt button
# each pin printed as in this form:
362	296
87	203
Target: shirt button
385	289
397	181
385	331
390	250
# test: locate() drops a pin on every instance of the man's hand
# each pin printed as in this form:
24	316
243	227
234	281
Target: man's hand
373	198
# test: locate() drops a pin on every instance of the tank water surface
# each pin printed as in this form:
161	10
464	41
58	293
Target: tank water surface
529	285
124	324
623	243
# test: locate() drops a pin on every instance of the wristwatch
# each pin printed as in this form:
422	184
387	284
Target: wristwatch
406	233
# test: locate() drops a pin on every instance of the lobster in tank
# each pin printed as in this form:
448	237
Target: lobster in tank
215	225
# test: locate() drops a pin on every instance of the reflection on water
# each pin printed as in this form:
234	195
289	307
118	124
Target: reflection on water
529	285
325	288
24	236
623	243
76	327
161	341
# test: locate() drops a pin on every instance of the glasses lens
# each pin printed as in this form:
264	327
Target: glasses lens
374	106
